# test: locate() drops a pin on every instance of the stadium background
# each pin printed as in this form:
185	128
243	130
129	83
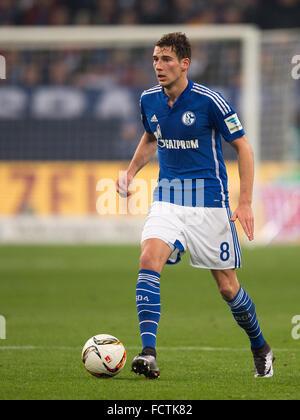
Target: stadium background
69	119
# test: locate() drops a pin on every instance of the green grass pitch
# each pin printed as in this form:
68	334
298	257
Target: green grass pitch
56	297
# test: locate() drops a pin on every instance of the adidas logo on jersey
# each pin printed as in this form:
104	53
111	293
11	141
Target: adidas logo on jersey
154	119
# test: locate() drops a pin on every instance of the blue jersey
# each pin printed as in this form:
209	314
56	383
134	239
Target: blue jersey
192	169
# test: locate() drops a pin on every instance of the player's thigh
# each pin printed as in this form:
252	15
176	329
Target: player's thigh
154	255
212	239
227	282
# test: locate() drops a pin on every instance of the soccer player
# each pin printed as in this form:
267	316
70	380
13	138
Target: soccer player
184	121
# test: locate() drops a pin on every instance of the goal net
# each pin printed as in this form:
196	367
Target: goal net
70	121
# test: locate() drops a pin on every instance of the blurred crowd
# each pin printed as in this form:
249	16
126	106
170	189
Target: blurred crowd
106	83
267	14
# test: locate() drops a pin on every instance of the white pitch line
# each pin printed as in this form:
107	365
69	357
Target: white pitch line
178	348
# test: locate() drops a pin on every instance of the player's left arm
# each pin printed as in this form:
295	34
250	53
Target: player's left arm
243	211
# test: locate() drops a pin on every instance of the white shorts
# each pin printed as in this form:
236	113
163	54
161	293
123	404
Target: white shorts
206	232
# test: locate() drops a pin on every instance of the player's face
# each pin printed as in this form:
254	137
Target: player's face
168	68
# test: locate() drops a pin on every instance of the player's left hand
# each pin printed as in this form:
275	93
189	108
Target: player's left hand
245	215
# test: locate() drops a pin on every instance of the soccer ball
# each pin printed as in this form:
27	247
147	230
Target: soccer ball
104	356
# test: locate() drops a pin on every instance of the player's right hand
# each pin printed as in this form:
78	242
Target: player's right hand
122	184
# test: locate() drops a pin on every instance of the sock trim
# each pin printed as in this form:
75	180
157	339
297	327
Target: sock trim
150	273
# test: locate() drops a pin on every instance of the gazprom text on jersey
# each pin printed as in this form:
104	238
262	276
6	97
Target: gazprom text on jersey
178	144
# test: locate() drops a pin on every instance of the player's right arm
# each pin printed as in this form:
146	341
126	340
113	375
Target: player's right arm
143	154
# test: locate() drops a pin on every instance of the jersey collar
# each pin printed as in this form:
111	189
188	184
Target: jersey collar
180	98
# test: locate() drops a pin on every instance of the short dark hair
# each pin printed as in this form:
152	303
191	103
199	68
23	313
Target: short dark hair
179	43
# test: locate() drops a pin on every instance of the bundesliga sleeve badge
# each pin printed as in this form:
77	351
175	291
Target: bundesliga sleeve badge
233	123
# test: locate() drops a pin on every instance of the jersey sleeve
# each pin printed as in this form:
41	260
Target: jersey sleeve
144	118
224	118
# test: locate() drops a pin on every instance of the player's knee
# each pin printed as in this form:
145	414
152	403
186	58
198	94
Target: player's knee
149	261
146	260
227	282
227	290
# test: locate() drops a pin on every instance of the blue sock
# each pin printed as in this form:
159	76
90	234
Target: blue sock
243	311
148	305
